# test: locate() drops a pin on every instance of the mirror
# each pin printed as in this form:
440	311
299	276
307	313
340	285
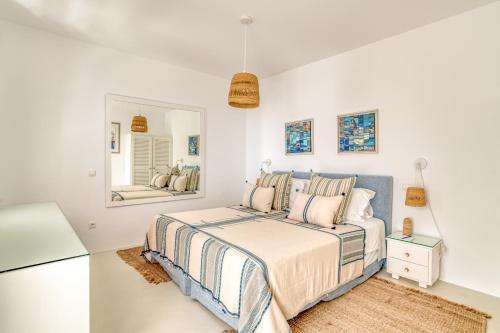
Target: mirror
155	151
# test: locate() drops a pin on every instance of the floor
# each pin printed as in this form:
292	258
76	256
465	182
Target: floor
122	301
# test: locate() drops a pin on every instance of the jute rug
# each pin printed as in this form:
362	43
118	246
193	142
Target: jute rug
153	273
379	305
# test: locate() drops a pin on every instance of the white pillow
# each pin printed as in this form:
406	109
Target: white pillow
259	198
360	201
161	180
298	186
315	209
178	183
153	180
368	212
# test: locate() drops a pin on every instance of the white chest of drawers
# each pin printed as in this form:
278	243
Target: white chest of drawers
416	258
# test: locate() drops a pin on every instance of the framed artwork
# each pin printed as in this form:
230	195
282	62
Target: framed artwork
357	132
194	145
115	138
299	137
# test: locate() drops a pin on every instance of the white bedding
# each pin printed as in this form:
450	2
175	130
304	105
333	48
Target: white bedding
375	239
259	278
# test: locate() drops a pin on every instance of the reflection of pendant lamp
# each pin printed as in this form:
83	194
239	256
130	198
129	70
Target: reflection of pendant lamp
244	89
139	124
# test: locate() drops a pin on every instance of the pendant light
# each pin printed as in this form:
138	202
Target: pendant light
244	89
139	124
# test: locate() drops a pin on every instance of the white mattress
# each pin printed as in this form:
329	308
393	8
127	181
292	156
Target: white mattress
375	239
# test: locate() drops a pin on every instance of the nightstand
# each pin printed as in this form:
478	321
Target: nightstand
416	258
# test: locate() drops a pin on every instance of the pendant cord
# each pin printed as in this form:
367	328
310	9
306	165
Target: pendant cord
245	48
443	248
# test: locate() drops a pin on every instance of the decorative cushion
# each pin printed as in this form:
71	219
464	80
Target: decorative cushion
332	187
178	183
282	186
315	209
172	170
298	186
259	198
153	180
360	200
161	181
191	172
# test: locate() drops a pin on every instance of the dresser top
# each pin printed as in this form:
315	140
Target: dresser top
35	234
415	239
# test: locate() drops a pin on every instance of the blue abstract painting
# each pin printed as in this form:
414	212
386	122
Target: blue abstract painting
194	145
358	132
299	137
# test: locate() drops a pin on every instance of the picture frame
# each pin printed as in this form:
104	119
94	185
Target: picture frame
299	137
115	138
357	133
194	145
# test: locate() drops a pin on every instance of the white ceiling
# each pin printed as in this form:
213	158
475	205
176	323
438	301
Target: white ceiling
205	35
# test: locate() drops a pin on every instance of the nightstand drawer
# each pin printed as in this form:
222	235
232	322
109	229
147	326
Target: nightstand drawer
408	269
408	252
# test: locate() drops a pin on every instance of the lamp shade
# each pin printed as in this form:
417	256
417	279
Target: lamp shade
244	91
139	124
415	197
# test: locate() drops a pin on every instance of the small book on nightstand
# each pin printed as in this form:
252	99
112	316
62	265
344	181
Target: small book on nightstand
416	257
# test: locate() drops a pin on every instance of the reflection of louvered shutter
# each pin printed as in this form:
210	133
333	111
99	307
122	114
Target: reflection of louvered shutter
162	154
141	157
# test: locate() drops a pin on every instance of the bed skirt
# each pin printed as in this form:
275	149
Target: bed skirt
205	297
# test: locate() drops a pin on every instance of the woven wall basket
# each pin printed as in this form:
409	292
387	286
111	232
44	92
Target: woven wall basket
244	91
415	197
139	124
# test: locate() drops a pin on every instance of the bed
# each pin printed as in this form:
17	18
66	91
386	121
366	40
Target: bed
256	271
131	192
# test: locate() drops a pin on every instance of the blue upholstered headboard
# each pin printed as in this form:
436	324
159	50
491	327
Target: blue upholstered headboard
383	185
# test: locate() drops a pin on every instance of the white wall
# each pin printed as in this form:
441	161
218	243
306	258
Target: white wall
184	124
52	98
438	92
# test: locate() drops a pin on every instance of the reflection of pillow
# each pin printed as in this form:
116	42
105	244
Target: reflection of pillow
153	180
331	187
191	172
172	170
315	209
178	183
357	208
282	185
298	186
161	181
259	198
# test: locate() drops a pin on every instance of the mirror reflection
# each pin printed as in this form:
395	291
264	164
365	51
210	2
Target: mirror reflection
155	151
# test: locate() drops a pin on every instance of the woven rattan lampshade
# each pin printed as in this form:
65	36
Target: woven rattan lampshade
244	91
415	197
139	124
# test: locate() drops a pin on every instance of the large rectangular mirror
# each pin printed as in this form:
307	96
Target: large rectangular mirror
154	151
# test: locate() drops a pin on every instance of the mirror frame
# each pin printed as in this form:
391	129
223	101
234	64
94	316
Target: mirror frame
107	151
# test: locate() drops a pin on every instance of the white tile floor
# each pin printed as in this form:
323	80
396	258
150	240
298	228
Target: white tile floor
123	302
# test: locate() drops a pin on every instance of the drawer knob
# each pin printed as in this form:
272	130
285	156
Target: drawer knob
407	254
407	269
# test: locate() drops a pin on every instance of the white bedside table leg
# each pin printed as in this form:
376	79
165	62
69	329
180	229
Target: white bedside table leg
422	285
394	276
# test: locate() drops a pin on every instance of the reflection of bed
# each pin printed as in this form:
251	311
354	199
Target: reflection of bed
131	192
255	270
